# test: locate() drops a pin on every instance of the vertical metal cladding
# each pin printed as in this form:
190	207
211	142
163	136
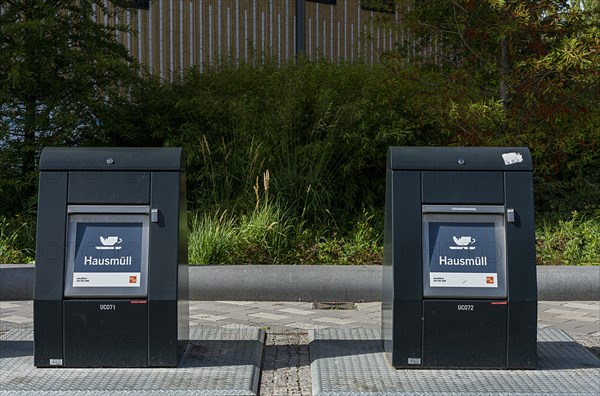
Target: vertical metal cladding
173	35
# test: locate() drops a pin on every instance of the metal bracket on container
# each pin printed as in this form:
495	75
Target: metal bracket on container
92	209
510	215
463	209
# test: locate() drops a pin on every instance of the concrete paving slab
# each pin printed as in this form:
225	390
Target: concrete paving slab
352	362
562	311
369	307
367	315
300	326
8	305
295	311
207	317
587	319
16	319
595	306
264	315
217	362
243	303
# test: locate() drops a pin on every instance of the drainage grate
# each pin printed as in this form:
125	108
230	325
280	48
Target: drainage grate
342	306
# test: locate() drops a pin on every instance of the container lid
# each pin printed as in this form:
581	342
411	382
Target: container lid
504	159
112	159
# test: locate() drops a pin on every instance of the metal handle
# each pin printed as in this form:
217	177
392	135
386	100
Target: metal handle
462	209
107	209
510	215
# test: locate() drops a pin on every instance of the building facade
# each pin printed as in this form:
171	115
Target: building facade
169	36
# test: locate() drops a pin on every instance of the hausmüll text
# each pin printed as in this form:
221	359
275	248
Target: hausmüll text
123	260
445	260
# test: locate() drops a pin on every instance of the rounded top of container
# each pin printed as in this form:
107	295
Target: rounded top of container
112	159
460	158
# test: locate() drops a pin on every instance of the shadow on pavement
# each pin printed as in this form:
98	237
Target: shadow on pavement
565	355
12	349
277	357
217	353
555	355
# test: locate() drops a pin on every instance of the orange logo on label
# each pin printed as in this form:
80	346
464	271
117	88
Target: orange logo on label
489	280
133	279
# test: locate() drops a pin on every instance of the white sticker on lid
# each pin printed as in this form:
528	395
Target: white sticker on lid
512	158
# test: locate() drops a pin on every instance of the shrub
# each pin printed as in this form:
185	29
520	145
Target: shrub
363	244
321	129
262	236
211	238
575	241
15	237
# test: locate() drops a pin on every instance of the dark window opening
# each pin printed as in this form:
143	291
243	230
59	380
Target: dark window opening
387	6
137	4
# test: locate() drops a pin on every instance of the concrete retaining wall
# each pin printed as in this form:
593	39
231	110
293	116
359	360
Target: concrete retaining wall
16	281
286	283
314	283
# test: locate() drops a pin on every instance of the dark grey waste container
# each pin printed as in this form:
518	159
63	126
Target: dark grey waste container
459	275
111	274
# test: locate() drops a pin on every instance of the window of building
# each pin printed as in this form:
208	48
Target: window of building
387	6
138	4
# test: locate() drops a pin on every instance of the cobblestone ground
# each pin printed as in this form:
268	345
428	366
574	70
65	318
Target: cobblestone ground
591	342
286	366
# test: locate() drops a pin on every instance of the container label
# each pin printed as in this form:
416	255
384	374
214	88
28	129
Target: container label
512	158
107	255
463	255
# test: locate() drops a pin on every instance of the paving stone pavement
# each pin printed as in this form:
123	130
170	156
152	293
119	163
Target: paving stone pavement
286	365
286	362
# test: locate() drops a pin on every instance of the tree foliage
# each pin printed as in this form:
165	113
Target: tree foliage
509	72
464	72
60	72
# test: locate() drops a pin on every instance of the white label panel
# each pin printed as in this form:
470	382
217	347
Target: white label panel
106	279
462	279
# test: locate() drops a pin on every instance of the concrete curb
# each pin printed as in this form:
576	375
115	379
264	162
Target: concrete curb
557	283
16	282
314	283
286	283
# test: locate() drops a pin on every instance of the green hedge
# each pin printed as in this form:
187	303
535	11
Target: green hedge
322	131
307	143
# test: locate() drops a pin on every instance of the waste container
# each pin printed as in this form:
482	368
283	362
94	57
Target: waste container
459	275
111	274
